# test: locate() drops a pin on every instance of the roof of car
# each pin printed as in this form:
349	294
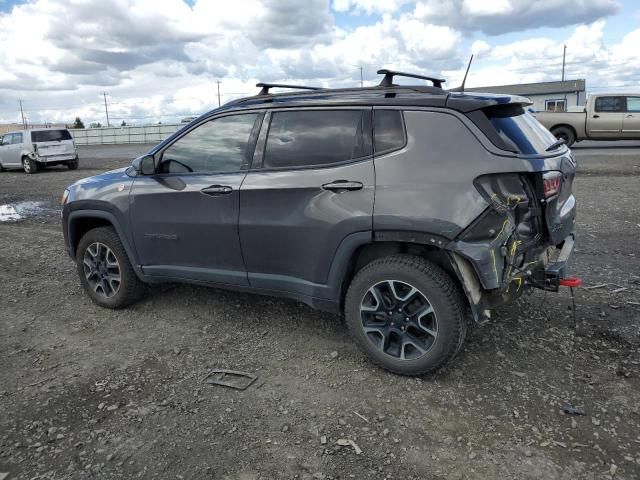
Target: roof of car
395	95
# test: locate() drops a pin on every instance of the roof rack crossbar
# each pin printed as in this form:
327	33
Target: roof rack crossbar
387	81
266	86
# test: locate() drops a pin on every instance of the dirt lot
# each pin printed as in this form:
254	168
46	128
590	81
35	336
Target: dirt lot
93	393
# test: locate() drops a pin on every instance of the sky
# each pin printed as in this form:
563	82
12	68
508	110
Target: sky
160	60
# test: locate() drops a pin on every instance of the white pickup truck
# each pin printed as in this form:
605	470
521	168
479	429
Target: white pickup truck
606	116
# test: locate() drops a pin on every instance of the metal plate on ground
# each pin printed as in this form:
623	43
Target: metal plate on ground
229	378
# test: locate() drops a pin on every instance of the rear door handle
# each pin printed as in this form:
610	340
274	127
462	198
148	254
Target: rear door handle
596	116
629	116
342	185
217	190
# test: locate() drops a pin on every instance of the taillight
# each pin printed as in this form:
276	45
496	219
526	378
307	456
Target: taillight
551	182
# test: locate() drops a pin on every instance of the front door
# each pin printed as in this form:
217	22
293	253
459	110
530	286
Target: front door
605	121
631	120
185	217
311	185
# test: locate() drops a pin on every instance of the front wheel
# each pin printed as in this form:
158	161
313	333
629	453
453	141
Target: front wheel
105	271
406	313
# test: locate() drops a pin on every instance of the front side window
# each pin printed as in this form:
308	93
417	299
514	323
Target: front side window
6	140
214	147
314	138
609	104
633	104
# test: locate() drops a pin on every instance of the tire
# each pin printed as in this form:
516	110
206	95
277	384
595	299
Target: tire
29	165
73	164
436	306
566	133
1	168
103	250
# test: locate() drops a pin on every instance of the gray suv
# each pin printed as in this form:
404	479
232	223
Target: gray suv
411	210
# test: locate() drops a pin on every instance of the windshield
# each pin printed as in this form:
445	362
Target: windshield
523	131
50	135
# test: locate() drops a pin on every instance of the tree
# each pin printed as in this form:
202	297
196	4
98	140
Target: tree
95	125
123	124
77	123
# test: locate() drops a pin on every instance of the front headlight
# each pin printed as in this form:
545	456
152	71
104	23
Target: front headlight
64	197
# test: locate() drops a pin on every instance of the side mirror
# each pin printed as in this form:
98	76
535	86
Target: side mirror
145	165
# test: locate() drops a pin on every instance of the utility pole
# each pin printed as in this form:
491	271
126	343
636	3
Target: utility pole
24	125
218	82
106	109
361	80
564	55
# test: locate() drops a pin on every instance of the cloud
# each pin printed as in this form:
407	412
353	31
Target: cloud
160	60
502	16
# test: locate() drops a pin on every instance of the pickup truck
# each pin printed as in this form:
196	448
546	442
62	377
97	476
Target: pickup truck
606	116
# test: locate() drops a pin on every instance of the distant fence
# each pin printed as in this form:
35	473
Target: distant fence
113	135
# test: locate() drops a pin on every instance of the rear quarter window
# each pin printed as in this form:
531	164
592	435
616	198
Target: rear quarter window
388	130
50	136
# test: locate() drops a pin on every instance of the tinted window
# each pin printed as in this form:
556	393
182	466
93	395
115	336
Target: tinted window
633	104
318	137
388	132
216	146
520	129
50	135
17	138
609	104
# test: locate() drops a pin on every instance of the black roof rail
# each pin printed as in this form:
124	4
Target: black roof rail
267	86
387	81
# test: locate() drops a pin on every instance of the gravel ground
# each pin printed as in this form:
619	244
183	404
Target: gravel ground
93	393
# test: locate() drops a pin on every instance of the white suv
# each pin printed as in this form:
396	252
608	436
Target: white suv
34	149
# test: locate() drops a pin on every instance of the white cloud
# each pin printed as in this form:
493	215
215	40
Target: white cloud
159	60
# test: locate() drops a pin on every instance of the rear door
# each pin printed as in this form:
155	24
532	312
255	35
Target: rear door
184	218
605	121
631	120
311	185
14	151
5	149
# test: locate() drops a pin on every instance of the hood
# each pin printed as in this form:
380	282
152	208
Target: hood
106	177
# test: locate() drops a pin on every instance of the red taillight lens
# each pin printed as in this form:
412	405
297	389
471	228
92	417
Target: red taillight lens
551	182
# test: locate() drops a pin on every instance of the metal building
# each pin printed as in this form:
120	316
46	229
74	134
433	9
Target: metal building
546	96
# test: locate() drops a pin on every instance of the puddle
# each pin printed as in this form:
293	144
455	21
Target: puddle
13	212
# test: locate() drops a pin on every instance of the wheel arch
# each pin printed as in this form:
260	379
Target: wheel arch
431	247
79	222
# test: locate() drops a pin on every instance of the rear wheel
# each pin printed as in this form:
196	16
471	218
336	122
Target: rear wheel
73	164
406	313
564	133
29	165
105	271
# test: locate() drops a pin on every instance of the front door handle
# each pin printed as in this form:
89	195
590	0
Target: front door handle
217	190
342	185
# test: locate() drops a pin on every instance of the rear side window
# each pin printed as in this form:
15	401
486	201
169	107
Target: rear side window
17	138
50	136
518	130
314	138
388	132
633	104
609	104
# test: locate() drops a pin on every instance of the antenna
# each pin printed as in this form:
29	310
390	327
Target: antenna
464	80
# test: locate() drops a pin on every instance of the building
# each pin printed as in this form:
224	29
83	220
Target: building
12	127
546	96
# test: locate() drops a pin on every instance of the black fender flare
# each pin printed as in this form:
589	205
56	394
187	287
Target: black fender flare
73	216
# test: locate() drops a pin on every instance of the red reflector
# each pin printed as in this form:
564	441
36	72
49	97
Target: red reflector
570	282
551	183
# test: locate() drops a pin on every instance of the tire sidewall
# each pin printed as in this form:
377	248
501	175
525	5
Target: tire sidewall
108	237
447	316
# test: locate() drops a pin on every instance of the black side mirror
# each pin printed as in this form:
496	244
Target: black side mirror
145	165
